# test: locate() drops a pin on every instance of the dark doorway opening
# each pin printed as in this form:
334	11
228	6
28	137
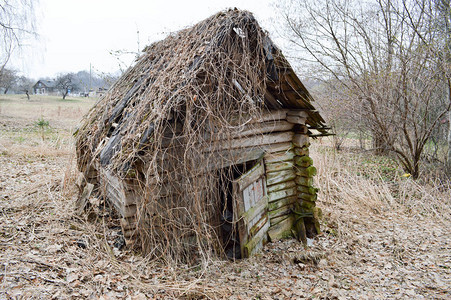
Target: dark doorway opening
228	220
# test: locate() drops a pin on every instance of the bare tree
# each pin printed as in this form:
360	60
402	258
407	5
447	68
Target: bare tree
381	55
65	83
24	85
17	24
8	79
443	25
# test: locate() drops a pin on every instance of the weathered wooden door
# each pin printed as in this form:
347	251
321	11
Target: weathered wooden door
251	209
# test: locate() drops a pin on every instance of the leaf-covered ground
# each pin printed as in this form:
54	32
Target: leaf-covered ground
390	247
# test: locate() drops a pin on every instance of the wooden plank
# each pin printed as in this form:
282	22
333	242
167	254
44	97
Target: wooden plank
285	155
281	186
113	188
271	100
255	210
272	115
260	128
83	199
251	141
257	226
259	245
281	230
281	202
277	147
277	220
278	177
282	211
252	243
274	196
249	177
279	166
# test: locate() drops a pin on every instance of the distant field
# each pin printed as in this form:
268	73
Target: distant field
41	126
62	113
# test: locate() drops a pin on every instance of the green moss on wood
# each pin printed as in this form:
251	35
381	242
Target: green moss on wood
281	186
279	166
281	202
305	172
274	196
301	151
307	189
307	205
303	161
304	181
308	197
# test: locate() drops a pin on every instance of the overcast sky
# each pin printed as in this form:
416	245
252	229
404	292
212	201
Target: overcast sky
76	33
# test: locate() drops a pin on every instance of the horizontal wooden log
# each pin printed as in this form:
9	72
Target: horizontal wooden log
251	141
303	161
279	166
269	115
281	230
281	202
308	197
286	155
281	186
300	140
304	181
279	177
305	172
249	135
274	196
282	211
301	151
307	189
260	128
307	205
302	129
298	113
277	147
296	119
277	220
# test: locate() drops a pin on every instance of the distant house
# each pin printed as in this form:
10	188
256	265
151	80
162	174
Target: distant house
44	87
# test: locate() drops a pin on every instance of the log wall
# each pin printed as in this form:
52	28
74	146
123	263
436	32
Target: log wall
282	139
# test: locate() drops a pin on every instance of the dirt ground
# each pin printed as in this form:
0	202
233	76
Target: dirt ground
391	247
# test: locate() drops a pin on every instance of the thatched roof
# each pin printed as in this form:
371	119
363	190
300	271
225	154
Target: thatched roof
167	125
222	69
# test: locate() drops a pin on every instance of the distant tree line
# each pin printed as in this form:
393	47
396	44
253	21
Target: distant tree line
81	82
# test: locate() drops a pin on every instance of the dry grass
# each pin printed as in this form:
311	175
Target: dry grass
385	236
361	182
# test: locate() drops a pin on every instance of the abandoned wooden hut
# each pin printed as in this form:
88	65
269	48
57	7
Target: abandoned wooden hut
202	145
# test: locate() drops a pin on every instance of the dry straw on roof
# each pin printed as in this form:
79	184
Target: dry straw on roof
200	84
